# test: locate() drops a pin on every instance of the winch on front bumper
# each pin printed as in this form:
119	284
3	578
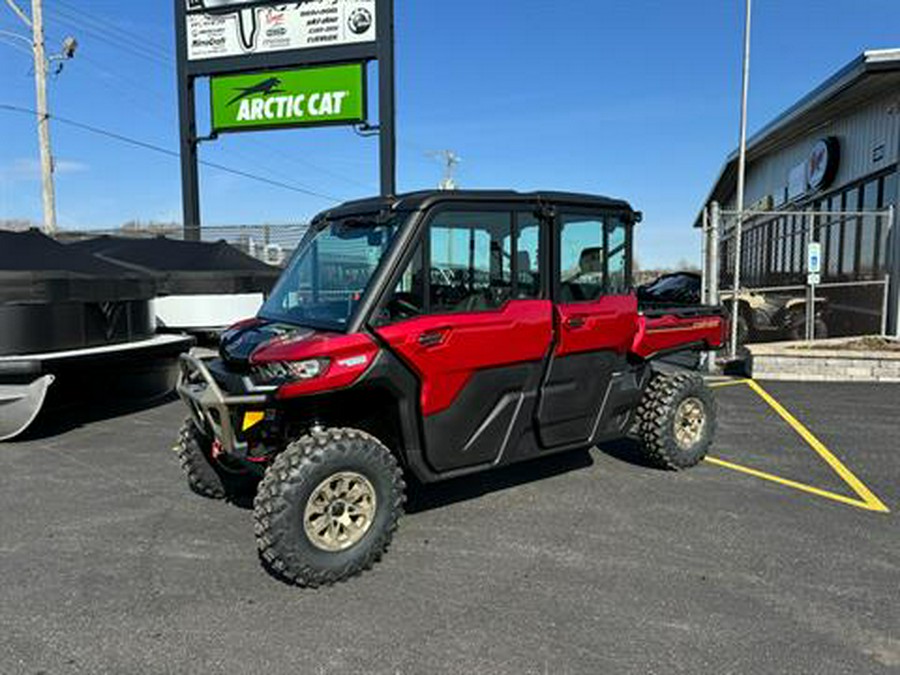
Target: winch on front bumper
213	410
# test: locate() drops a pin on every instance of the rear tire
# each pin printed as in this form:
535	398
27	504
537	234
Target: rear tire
676	420
328	507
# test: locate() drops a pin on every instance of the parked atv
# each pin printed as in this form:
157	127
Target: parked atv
775	316
478	329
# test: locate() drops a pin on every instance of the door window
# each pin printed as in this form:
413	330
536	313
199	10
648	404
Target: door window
617	257
471	261
528	257
593	257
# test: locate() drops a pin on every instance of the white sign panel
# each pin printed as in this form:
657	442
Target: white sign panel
814	258
259	30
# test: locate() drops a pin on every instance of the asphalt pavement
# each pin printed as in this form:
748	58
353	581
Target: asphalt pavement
588	562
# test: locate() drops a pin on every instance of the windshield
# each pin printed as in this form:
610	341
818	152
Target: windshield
327	278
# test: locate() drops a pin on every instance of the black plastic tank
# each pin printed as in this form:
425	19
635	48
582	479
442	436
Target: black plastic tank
55	297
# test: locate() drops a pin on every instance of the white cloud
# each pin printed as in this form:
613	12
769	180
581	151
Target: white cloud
25	168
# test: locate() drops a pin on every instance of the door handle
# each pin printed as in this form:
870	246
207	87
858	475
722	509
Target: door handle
433	338
575	322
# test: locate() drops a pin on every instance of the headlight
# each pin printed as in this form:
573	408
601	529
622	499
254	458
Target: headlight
279	372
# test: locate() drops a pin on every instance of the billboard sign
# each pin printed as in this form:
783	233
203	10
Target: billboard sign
289	98
254	29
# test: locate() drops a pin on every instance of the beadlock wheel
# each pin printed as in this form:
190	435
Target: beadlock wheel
339	511
676	420
690	421
328	507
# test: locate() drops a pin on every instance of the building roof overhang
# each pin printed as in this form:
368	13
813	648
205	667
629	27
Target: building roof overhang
872	72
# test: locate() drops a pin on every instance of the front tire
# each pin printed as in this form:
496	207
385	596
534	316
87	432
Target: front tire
328	507
676	420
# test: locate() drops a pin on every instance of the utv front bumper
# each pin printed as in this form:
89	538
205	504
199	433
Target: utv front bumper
212	409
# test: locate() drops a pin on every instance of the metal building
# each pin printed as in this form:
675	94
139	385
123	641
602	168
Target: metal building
824	171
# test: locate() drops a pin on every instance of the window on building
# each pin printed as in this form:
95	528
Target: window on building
796	243
833	254
850	233
887	197
889	191
868	230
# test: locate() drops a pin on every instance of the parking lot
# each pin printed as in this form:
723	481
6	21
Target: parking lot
772	557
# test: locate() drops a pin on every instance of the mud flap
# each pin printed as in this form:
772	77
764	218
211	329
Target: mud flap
20	405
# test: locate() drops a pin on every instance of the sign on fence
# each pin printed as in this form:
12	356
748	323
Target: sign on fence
814	258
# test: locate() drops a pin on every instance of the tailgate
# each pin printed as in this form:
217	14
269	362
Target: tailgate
663	331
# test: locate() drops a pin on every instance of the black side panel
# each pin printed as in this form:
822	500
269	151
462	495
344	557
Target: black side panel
573	394
476	429
32	329
619	404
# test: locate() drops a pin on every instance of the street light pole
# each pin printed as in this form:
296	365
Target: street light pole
40	82
742	170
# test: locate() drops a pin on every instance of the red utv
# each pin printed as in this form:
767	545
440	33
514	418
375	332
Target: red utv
436	334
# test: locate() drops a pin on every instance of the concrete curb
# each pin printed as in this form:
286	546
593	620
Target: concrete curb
792	361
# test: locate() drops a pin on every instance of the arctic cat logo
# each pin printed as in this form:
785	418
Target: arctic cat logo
264	87
290	107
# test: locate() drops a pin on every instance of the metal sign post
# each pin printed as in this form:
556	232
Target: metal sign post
219	38
813	277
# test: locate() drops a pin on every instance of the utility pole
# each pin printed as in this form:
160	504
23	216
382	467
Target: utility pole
40	83
41	65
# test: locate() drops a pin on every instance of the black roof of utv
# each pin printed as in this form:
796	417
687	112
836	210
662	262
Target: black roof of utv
415	201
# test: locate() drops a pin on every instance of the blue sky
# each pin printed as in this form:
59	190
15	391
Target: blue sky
631	98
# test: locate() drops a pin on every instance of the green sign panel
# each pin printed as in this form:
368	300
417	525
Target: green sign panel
289	98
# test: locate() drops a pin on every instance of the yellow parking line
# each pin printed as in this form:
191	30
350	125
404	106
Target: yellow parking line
794	484
727	383
867	499
846	474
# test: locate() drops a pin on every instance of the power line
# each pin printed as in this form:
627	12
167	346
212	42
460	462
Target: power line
114	35
103	30
171	153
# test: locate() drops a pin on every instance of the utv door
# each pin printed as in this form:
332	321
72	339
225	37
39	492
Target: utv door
472	318
595	315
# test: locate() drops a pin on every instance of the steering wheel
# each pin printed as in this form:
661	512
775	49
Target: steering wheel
404	304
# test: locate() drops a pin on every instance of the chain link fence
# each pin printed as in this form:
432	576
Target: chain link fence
272	244
800	275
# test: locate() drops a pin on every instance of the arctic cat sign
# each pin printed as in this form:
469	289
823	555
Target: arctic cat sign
289	98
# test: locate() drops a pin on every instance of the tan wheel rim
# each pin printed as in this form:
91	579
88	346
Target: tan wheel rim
690	422
340	511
